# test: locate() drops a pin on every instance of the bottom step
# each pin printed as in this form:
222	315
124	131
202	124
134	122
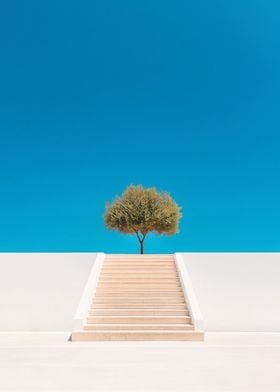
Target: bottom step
79	336
137	327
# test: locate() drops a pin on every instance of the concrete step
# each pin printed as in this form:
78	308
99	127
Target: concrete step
120	280
140	280
142	283
138	270
137	283
143	269
156	266
137	255
138	266
139	294
137	305
140	274
157	278
140	258
146	291
113	281
140	262
137	335
134	305
147	327
143	278
138	289
138	312
141	286
164	273
139	320
134	278
161	299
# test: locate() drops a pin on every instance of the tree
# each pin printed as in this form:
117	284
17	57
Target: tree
141	211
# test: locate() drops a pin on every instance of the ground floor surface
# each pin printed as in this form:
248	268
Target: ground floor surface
225	362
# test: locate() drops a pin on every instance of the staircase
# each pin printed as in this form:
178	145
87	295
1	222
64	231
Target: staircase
138	297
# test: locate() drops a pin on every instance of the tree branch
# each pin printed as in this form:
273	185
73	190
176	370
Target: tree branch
138	236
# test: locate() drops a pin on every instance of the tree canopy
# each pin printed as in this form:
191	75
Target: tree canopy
141	211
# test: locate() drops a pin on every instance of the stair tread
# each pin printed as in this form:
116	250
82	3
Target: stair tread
140	316
138	331
98	335
148	325
136	308
140	310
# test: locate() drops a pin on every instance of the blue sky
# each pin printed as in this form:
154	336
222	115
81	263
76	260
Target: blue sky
180	95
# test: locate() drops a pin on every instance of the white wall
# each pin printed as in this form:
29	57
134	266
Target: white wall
41	291
237	291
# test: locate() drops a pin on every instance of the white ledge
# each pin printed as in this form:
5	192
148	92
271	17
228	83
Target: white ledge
189	293
89	292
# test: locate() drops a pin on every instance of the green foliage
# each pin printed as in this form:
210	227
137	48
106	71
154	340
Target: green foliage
142	211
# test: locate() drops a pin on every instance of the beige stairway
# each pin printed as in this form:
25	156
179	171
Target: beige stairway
138	297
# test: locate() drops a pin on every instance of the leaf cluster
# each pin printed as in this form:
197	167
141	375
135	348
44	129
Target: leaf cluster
143	210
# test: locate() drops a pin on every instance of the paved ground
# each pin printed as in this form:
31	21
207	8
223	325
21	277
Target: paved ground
225	362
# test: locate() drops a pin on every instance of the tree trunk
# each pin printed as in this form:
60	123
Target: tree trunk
141	241
142	247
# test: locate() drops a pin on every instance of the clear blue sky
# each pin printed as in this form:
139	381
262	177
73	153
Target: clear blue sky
182	95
